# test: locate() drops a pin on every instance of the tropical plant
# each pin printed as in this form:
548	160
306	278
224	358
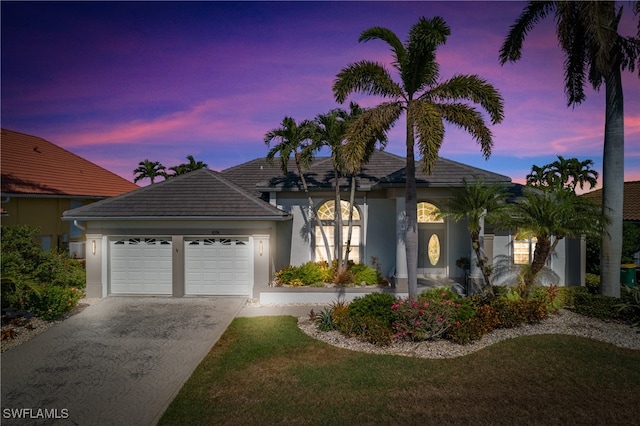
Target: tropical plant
184	168
588	36
149	170
293	139
427	102
550	216
565	174
478	202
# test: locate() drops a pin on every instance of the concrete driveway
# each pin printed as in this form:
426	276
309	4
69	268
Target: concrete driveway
121	361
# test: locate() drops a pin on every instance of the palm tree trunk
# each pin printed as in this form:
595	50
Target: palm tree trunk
352	200
481	261
337	214
612	186
311	212
411	214
540	256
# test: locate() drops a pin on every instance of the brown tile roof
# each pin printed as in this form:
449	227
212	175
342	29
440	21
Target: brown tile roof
201	194
32	165
631	207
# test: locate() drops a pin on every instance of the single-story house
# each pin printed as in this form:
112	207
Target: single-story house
41	180
227	233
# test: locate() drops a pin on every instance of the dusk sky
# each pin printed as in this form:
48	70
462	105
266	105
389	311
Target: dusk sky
119	82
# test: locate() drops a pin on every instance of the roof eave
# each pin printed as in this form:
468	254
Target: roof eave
184	218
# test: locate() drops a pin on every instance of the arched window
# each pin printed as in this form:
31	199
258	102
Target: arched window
326	213
428	213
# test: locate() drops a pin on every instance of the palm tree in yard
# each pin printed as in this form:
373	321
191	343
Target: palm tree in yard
478	202
588	35
293	139
148	170
564	173
184	168
549	216
428	103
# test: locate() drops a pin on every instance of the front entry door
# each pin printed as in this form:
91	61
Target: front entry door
432	250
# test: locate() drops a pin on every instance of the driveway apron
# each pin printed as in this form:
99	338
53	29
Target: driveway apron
121	361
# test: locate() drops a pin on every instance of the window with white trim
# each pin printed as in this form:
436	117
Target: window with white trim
327	213
523	250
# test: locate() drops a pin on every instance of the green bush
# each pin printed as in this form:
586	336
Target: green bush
472	329
364	274
596	306
629	306
54	301
310	273
375	305
32	278
324	320
512	313
375	331
592	282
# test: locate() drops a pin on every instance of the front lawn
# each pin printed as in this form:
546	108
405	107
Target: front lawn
266	371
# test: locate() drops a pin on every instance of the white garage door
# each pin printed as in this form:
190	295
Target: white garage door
218	266
141	266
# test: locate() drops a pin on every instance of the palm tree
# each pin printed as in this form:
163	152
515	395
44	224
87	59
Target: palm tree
184	168
478	202
293	140
328	130
588	35
148	170
550	216
428	104
564	173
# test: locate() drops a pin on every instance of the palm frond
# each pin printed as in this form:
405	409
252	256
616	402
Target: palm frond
365	130
388	36
469	119
473	88
534	12
428	124
365	77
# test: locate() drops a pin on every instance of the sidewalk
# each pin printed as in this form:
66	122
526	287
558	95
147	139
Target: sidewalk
249	310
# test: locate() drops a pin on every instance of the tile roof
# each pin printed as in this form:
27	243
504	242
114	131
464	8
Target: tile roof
32	165
383	170
202	194
631	206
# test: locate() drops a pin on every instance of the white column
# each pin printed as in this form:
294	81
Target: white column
401	251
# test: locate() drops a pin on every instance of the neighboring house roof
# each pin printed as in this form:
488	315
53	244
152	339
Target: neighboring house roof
383	170
34	166
631	207
201	194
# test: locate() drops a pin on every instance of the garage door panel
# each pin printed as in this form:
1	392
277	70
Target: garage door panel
141	266
217	266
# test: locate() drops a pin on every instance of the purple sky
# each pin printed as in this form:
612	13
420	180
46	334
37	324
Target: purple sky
119	82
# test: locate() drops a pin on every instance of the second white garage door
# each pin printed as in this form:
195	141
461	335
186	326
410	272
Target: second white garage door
218	266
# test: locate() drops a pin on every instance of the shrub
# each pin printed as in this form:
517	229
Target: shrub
629	306
364	274
472	329
54	301
324	320
374	330
421	320
310	273
286	274
512	313
592	282
375	305
596	306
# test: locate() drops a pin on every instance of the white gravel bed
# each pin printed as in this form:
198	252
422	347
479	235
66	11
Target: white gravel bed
31	328
564	322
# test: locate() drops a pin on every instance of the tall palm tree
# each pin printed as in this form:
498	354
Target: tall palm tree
293	139
148	170
588	35
477	202
550	216
427	102
328	130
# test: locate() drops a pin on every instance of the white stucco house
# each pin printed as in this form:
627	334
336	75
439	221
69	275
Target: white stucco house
226	233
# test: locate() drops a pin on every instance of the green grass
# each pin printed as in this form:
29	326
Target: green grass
266	371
